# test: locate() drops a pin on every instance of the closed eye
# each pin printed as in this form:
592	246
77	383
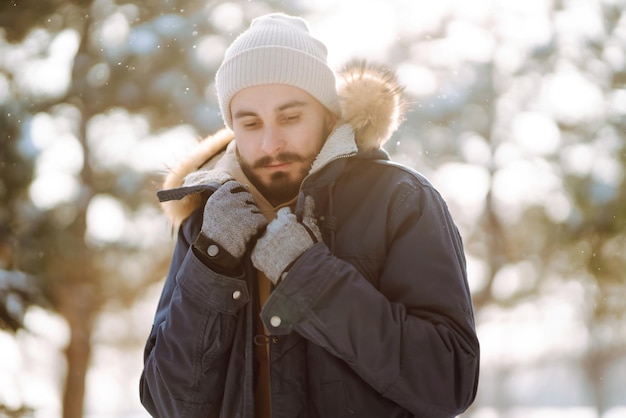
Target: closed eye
251	124
291	118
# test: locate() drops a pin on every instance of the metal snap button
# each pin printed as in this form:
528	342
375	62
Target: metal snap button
213	250
237	295
275	321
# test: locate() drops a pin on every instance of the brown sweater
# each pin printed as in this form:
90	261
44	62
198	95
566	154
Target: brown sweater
262	404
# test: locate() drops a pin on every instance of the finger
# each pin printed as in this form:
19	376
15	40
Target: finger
239	188
283	218
311	232
309	207
283	212
308	220
226	188
231	184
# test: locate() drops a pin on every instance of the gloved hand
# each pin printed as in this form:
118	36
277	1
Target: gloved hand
285	239
207	177
231	219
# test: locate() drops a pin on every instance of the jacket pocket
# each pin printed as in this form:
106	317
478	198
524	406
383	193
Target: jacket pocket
209	289
334	401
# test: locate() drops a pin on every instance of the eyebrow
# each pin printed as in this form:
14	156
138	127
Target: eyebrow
292	104
289	105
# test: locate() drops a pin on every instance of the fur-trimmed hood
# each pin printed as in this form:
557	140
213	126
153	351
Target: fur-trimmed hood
372	106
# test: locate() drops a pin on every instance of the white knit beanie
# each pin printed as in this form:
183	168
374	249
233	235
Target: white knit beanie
276	49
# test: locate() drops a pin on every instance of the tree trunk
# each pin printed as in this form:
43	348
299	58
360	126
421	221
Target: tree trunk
80	306
78	354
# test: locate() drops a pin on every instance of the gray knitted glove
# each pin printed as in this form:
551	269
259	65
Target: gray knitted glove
285	239
207	177
231	219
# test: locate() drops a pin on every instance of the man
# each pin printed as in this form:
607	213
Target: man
312	277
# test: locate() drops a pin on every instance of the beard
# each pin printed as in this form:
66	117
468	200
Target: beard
282	186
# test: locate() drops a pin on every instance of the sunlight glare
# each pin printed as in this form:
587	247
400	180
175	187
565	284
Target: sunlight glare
421	17
39	391
147	228
615	412
436	53
607	169
47	325
572	97
536	132
558	206
5	89
114	32
52	189
464	184
531	330
508	59
547	412
226	17
42	130
417	79
476	273
475	11
210	51
118	138
100	377
521	183
578	159
106	219
514	278
111	136
64	155
471	42
59	162
615	56
158	152
581	21
361	40
617	101
32	367
10	365
512	29
475	149
51	76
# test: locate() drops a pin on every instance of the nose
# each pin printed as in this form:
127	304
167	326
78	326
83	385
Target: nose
272	140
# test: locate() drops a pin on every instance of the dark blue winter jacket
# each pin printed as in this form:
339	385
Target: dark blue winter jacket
375	321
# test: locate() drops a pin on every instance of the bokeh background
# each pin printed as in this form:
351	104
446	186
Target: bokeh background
517	115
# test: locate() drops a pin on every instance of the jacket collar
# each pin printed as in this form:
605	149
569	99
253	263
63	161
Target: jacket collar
372	107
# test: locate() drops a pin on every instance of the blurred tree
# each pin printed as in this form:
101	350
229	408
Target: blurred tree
549	103
18	292
515	104
151	65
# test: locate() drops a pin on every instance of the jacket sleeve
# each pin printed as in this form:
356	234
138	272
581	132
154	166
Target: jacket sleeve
186	355
412	336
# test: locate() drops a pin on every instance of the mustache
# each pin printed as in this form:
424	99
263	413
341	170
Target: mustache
284	157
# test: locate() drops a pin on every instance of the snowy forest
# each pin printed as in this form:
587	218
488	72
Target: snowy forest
517	114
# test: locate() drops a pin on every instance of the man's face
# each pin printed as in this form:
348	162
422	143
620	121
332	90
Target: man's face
279	130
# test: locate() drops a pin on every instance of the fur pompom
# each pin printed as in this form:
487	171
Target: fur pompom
372	103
